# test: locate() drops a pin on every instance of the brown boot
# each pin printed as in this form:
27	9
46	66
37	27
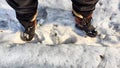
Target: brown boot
29	31
84	24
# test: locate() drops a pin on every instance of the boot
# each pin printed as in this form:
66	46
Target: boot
29	30
84	24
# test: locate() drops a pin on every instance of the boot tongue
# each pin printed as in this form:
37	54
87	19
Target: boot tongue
83	21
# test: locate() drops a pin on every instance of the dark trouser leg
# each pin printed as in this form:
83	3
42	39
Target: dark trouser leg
25	9
84	7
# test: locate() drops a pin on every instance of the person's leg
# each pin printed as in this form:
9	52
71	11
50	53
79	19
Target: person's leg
26	12
83	9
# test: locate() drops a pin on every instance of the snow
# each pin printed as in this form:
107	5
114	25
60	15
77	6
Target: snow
58	56
69	49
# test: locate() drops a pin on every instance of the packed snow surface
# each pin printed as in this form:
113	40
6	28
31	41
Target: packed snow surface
69	48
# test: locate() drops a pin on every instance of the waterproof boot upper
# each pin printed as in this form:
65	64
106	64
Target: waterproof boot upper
84	23
29	31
